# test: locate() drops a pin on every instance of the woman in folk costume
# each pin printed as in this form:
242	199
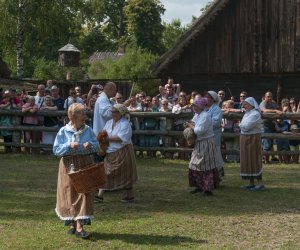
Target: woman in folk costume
119	162
76	143
216	114
250	145
203	167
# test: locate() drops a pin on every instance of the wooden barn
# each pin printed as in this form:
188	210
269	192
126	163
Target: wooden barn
251	45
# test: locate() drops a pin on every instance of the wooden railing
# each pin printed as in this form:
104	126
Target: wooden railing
17	128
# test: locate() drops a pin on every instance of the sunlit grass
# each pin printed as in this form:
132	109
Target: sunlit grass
164	216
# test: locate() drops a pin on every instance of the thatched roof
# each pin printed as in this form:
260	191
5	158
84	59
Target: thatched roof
102	55
198	27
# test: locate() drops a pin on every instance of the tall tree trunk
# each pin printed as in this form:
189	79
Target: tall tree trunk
19	40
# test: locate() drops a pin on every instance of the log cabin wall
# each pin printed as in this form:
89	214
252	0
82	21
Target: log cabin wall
247	36
254	44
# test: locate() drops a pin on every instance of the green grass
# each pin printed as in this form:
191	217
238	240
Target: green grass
164	216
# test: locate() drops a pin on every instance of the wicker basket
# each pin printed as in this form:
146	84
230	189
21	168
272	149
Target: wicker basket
89	179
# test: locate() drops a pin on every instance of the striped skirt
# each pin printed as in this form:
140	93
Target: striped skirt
120	168
251	156
70	205
204	165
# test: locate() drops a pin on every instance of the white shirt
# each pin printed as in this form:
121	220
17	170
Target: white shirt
39	101
102	113
203	125
122	129
251	122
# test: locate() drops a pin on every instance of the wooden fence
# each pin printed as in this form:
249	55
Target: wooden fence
168	132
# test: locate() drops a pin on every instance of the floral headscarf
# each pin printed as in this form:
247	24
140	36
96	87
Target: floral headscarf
123	110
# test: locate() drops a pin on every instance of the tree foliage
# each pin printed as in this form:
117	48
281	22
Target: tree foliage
134	65
172	32
144	23
90	25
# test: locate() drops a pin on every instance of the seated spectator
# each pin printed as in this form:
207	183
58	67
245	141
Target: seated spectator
149	124
119	98
171	96
243	96
181	107
293	105
162	93
73	98
192	97
165	125
294	144
7	103
171	84
155	104
16	100
230	126
30	119
282	144
48	137
78	91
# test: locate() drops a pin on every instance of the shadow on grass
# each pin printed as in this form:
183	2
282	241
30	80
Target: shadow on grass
146	239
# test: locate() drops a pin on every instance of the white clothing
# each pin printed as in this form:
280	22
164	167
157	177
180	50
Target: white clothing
122	129
203	125
102	112
39	101
251	123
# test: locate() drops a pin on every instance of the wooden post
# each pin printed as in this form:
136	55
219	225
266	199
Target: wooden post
279	90
68	77
297	39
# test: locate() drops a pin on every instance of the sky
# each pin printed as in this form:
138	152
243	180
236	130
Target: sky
182	9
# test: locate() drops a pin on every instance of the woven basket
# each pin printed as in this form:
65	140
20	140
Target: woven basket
89	179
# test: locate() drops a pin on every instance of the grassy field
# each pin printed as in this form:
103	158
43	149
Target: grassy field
164	216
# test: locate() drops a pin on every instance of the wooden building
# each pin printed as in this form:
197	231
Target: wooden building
251	45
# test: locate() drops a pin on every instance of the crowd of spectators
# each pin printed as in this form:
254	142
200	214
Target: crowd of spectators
169	98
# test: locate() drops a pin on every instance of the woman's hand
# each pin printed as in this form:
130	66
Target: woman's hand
86	145
74	145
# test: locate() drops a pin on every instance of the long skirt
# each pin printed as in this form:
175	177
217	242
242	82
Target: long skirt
203	167
251	156
120	168
70	205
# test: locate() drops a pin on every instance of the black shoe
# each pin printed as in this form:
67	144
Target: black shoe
208	193
83	234
72	230
196	190
127	199
98	198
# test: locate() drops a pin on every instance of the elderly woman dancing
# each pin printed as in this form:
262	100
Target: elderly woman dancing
203	167
119	162
75	143
250	145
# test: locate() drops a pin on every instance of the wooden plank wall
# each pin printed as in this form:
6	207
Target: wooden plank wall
247	36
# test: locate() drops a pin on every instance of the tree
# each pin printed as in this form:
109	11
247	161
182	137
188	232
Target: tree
134	66
37	28
144	24
172	32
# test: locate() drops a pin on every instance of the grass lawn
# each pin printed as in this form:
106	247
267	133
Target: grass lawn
164	216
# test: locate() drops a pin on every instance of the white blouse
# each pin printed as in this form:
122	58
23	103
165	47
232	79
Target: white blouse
203	125
251	122
122	129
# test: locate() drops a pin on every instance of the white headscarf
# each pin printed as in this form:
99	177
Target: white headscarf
214	96
252	102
